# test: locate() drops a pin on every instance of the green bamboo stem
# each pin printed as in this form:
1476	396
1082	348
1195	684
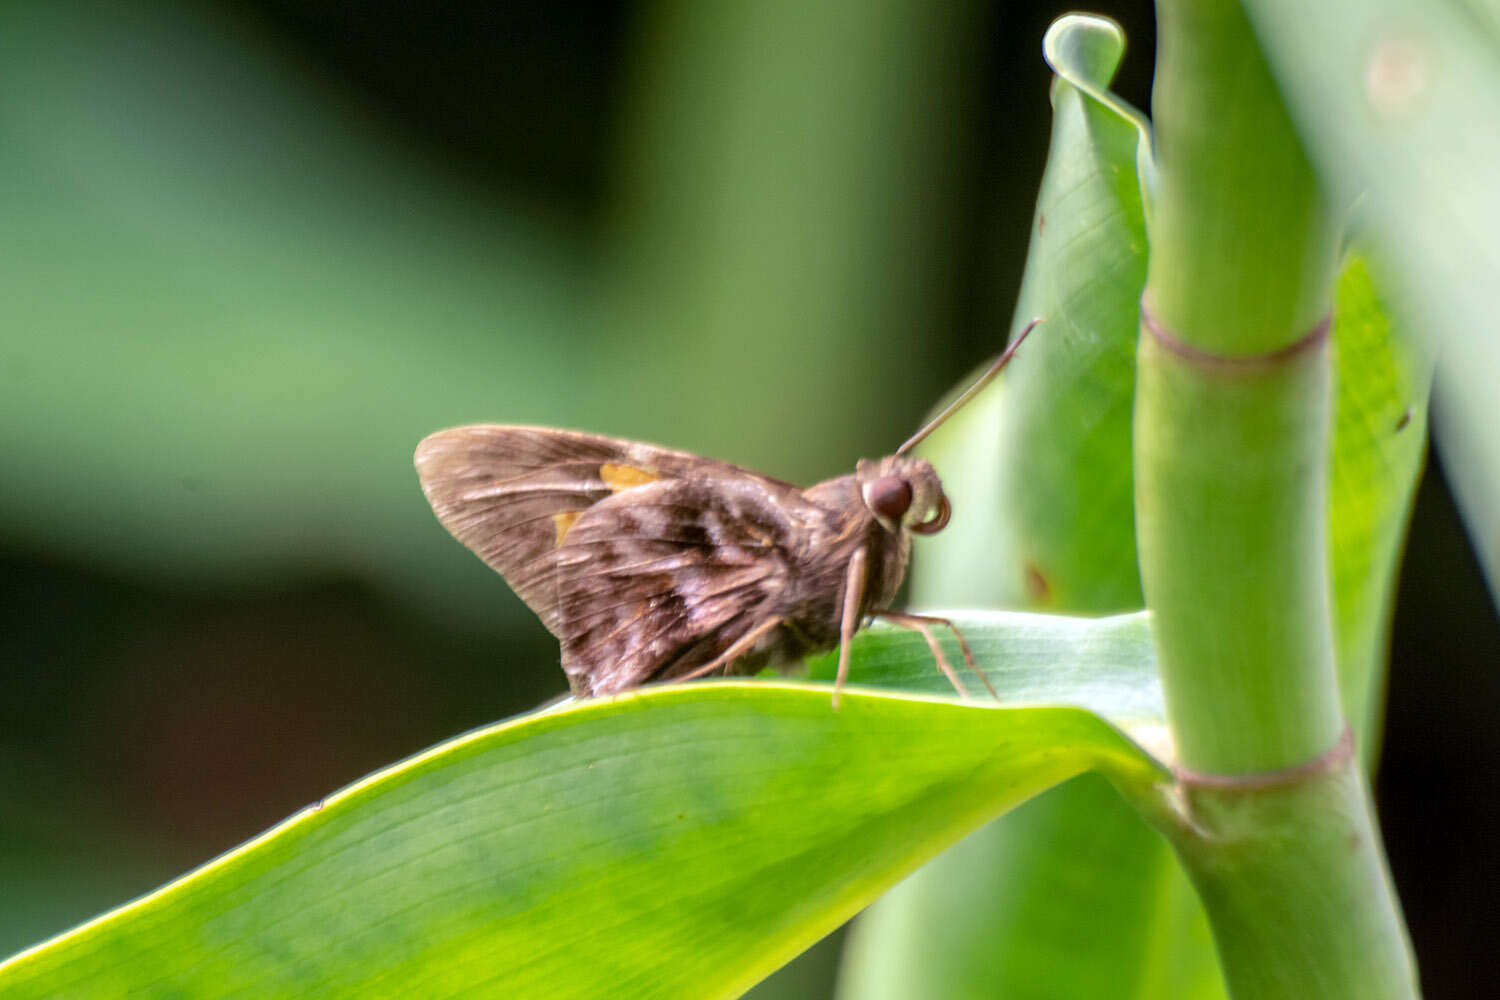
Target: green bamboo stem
1293	877
1233	401
1231	458
1229	498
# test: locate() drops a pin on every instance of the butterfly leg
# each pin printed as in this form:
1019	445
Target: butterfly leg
963	647
736	649
854	594
919	623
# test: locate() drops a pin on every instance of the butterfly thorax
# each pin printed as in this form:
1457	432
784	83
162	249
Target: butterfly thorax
852	526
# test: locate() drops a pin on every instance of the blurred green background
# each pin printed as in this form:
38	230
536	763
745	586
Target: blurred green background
254	251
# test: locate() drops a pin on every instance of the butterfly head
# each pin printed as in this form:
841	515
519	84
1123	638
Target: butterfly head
903	493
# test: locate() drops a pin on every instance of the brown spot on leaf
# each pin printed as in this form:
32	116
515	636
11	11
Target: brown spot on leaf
1405	419
1037	586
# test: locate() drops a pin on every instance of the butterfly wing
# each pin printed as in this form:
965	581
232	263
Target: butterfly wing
513	494
662	578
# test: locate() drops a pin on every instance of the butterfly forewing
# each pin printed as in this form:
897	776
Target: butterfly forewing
504	491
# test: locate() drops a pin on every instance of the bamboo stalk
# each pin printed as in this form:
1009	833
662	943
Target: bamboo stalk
1233	400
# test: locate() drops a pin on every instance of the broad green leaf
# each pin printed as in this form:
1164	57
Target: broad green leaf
1072	895
1396	101
1024	535
1106	665
677	841
1379	443
1003	930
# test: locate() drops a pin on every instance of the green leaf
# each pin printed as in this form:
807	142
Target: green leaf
1106	665
1379	444
677	841
1396	101
1027	536
1020	923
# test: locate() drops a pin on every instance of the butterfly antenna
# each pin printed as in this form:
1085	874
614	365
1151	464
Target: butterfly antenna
968	393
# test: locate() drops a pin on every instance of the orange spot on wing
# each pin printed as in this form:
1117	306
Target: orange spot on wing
562	522
623	477
761	538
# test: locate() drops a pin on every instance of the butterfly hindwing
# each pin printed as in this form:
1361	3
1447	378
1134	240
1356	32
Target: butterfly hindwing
660	579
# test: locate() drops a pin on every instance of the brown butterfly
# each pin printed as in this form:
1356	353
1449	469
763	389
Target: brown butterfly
651	564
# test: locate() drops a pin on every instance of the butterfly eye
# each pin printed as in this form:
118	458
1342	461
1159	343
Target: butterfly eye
938	521
890	496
